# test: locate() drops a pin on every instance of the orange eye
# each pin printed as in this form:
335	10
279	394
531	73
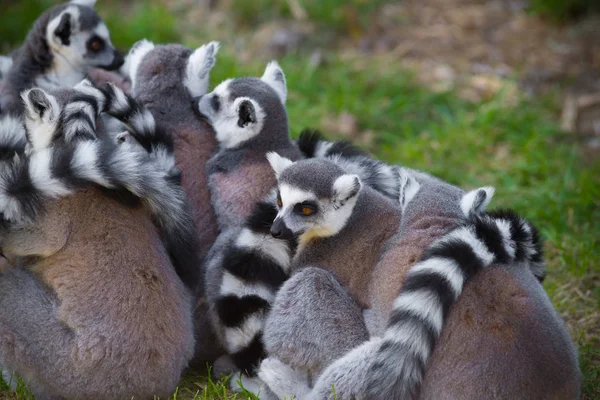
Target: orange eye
279	203
95	45
307	211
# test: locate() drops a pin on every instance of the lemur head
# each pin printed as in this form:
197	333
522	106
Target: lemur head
315	197
76	35
71	112
170	69
243	109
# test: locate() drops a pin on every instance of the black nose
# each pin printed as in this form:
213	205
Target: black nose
280	231
118	61
196	106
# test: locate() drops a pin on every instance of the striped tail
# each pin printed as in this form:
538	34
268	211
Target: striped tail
312	144
374	173
254	266
51	170
432	286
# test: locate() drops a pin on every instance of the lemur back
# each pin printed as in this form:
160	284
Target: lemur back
165	78
103	282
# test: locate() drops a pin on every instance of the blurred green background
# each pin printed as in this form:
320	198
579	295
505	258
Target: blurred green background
448	87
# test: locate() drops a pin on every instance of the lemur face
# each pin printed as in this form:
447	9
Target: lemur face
78	36
315	198
238	108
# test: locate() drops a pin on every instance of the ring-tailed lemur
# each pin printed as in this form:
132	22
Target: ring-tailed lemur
64	42
249	118
342	226
99	283
165	78
68	117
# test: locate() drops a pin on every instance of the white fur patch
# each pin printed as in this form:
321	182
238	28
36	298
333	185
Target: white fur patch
199	64
134	58
424	303
291	195
283	380
507	241
6	63
275	77
410	334
278	163
467	203
85	163
479	248
41	177
240	337
322	148
86	87
231	285
267	245
12	132
225	123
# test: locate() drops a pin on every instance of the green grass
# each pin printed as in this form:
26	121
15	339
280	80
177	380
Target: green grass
517	148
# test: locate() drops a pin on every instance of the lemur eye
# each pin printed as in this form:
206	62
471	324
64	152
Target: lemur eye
215	103
279	202
95	44
307	211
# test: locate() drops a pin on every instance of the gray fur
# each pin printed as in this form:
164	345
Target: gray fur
159	85
35	63
431	212
313	291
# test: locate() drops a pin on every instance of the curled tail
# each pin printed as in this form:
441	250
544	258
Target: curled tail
433	285
254	266
66	156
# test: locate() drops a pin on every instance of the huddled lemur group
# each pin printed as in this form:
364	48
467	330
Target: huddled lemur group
147	225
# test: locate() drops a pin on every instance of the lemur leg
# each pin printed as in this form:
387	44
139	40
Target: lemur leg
313	322
33	342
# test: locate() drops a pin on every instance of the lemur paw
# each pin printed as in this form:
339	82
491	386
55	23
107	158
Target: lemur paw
284	381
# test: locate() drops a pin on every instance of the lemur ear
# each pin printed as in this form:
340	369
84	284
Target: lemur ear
476	201
42	113
201	61
89	3
246	113
345	187
134	58
278	163
63	29
408	187
40	105
275	77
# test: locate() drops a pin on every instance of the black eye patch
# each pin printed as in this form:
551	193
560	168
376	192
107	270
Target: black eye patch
215	103
306	208
95	44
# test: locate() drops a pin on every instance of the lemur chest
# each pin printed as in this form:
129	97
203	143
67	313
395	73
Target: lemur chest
351	258
234	191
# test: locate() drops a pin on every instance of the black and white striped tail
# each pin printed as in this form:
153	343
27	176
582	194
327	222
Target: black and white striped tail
255	265
374	173
433	285
312	144
60	164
